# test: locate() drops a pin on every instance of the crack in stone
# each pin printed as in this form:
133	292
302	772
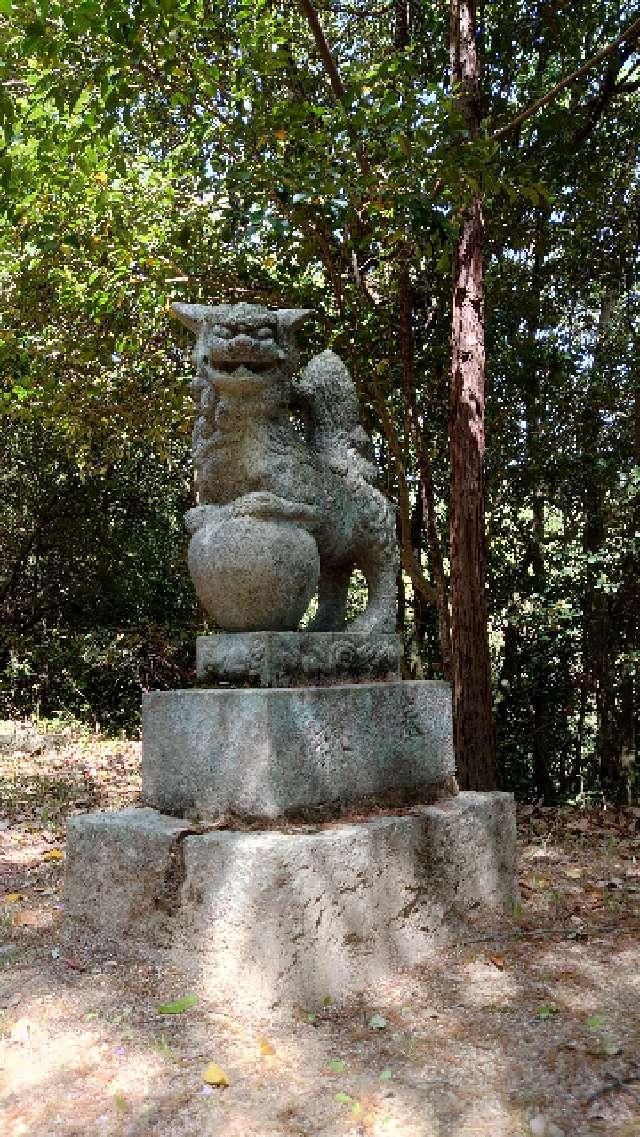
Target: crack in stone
169	899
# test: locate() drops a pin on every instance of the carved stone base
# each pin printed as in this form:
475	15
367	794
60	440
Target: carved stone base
287	917
296	659
296	752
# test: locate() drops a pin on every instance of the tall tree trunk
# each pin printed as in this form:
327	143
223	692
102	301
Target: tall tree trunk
414	432
474	729
601	631
538	700
628	729
627	622
537	582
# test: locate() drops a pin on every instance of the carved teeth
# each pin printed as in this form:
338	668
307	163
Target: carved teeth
229	367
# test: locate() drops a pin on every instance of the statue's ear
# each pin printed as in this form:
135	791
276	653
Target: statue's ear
192	315
290	319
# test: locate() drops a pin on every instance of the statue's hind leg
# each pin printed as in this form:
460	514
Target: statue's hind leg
332	598
379	617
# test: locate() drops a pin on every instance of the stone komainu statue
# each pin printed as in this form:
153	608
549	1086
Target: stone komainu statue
288	504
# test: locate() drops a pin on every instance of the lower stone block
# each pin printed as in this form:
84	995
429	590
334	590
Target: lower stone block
267	919
122	869
297	752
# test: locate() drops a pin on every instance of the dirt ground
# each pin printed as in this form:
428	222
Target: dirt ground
536	1031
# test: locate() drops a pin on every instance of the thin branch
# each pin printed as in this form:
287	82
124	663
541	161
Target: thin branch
337	86
627	88
633	67
630	33
339	91
409	562
609	88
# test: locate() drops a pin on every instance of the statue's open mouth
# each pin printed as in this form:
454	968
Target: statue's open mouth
233	367
233	376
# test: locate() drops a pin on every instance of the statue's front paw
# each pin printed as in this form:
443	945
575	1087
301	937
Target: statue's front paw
257	504
195	518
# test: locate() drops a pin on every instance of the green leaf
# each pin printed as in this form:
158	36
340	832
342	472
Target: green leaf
162	1048
178	1006
378	1022
5	7
337	1065
344	1099
546	1011
595	1022
385	1075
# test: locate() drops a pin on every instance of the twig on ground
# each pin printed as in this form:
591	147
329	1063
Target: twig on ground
615	1084
567	933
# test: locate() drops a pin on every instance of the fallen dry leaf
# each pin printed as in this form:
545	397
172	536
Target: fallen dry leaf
27	919
266	1048
497	961
53	855
74	963
214	1075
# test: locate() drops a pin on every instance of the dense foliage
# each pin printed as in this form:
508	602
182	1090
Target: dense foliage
183	150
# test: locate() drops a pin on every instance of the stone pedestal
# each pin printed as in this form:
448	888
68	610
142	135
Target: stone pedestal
285	917
246	865
304	752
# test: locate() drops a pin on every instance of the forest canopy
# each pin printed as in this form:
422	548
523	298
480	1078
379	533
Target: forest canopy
182	151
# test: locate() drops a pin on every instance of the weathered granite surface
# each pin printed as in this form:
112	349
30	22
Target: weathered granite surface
297	659
120	864
288	917
286	489
253	573
294	752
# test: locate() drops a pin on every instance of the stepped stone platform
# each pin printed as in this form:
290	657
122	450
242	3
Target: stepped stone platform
295	841
288	916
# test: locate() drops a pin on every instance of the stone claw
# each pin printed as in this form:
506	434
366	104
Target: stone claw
275	508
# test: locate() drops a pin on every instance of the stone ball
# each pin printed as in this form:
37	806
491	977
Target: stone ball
253	574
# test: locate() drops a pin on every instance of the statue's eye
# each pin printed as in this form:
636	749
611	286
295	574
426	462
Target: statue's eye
220	332
265	334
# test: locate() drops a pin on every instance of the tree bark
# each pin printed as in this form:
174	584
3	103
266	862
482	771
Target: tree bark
622	767
539	677
474	729
414	432
598	634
